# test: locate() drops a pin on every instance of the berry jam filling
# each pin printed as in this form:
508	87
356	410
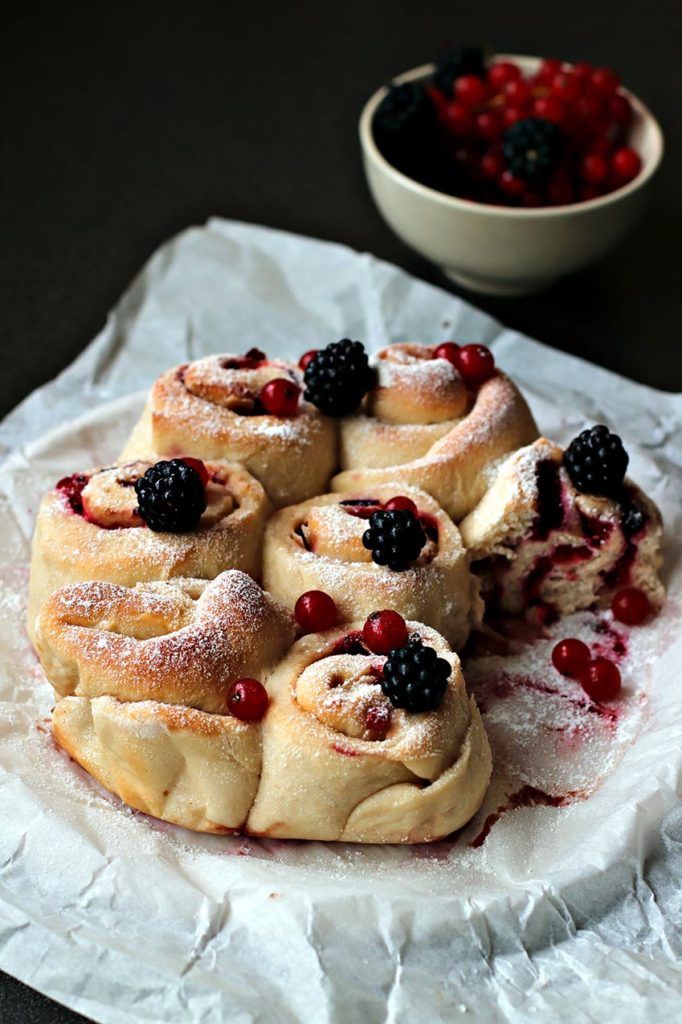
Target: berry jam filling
527	796
596	531
351	643
251	360
72	487
550	505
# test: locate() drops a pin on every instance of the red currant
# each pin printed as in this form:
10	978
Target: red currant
316	611
476	364
198	466
560	191
517	93
548	69
307	357
630	606
459	119
587	108
501	73
439	99
618	108
470	90
510	185
511	115
401	502
604	82
488	126
600	679
583	71
247	700
566	87
570	656
626	164
383	631
279	397
548	108
492	164
448	350
594	169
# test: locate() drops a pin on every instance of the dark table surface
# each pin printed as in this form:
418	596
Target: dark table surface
123	125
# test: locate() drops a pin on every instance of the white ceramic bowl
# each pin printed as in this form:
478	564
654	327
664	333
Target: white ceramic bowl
507	251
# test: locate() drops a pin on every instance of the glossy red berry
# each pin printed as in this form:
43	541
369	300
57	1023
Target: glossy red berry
476	364
401	502
306	357
448	350
548	69
198	466
594	169
630	606
604	82
583	71
279	397
549	108
600	679
316	611
383	631
247	700
470	90
618	108
492	164
511	115
511	186
501	73
488	126
588	110
570	656
626	164
517	93
459	120
565	87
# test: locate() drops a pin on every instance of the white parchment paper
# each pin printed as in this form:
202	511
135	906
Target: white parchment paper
569	913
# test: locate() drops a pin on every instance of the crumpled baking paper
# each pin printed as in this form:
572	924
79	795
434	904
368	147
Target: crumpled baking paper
564	914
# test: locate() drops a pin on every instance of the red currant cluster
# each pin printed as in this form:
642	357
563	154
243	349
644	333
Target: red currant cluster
600	677
586	104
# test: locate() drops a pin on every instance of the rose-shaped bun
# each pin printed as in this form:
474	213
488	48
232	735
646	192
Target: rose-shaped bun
211	408
88	528
543	549
317	545
341	763
178	642
421	426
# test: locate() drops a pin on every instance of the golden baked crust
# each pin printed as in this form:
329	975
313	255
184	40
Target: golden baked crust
193	769
317	546
453	460
70	548
178	642
206	409
327	776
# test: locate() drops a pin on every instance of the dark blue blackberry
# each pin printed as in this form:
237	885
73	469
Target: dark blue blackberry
171	497
415	678
394	537
596	462
532	148
338	378
461	60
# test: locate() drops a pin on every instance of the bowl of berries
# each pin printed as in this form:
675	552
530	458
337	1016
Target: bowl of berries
509	172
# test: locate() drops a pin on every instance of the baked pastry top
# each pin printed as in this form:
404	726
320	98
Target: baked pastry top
331	704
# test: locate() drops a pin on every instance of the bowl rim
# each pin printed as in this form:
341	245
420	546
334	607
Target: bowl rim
528	63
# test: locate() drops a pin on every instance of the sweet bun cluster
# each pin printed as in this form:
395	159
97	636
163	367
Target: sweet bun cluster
252	620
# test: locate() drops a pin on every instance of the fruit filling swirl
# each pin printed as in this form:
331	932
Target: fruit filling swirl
243	385
367	529
109	498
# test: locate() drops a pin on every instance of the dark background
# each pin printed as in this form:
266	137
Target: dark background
122	126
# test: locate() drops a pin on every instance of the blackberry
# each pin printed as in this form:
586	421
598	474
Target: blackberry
633	518
171	497
394	537
415	678
462	60
596	462
338	378
532	148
